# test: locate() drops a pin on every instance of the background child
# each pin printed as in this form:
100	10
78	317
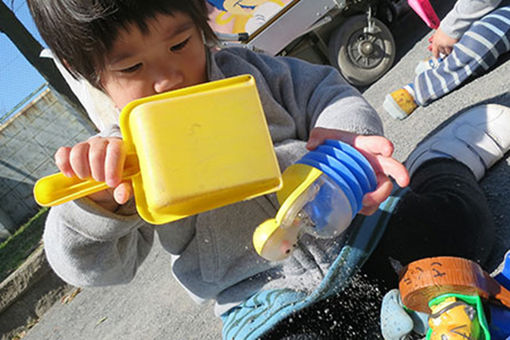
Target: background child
470	40
130	50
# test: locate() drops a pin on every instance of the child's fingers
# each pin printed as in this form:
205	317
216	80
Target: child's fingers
388	166
372	200
375	145
114	161
394	169
79	159
62	161
435	51
123	192
376	149
97	154
368	210
369	144
319	135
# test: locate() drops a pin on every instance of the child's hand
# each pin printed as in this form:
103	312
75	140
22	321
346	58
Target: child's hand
378	151
441	43
102	159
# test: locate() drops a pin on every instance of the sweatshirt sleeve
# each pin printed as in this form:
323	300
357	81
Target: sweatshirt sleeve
464	14
89	246
313	95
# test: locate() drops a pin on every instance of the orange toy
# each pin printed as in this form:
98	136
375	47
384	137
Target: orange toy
426	279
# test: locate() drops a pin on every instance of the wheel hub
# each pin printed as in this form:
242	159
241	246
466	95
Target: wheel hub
365	50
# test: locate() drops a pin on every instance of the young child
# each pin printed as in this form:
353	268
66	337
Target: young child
468	42
131	50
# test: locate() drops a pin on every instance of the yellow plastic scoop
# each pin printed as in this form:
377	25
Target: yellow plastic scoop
189	151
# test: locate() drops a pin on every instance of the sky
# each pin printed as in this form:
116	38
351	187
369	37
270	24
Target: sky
18	78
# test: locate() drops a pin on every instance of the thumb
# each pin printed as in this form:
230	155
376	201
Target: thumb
313	143
123	192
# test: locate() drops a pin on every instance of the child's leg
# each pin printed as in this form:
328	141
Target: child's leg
478	49
446	213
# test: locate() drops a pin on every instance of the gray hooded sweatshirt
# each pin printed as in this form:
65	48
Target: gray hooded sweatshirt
212	252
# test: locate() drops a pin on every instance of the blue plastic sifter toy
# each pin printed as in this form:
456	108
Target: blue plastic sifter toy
321	194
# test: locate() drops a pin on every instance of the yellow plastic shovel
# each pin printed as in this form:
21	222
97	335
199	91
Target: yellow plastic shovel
189	150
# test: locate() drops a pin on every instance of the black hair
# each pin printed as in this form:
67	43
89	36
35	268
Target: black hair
80	33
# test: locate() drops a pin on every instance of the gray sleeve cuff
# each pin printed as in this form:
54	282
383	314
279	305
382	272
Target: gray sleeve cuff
88	246
362	119
94	222
289	152
111	131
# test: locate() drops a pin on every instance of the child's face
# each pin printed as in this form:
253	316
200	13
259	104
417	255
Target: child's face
171	55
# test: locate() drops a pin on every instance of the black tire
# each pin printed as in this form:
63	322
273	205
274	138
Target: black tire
362	67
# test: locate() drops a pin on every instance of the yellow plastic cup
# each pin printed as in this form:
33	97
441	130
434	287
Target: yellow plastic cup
189	151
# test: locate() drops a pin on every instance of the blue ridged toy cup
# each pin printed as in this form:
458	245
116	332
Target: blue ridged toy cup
321	194
347	177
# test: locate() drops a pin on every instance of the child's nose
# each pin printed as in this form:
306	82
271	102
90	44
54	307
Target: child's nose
168	80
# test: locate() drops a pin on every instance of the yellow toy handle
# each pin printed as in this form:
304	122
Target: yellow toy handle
57	188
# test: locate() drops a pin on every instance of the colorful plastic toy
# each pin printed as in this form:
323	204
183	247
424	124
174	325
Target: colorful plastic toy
321	194
426	12
187	153
457	317
454	292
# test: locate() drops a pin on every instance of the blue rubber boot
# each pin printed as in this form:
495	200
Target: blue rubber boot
500	316
397	322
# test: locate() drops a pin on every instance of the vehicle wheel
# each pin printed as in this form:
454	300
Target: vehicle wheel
362	57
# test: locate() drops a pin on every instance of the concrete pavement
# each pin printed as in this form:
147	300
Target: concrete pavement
154	306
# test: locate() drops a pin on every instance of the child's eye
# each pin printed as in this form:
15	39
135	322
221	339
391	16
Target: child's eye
179	46
131	69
